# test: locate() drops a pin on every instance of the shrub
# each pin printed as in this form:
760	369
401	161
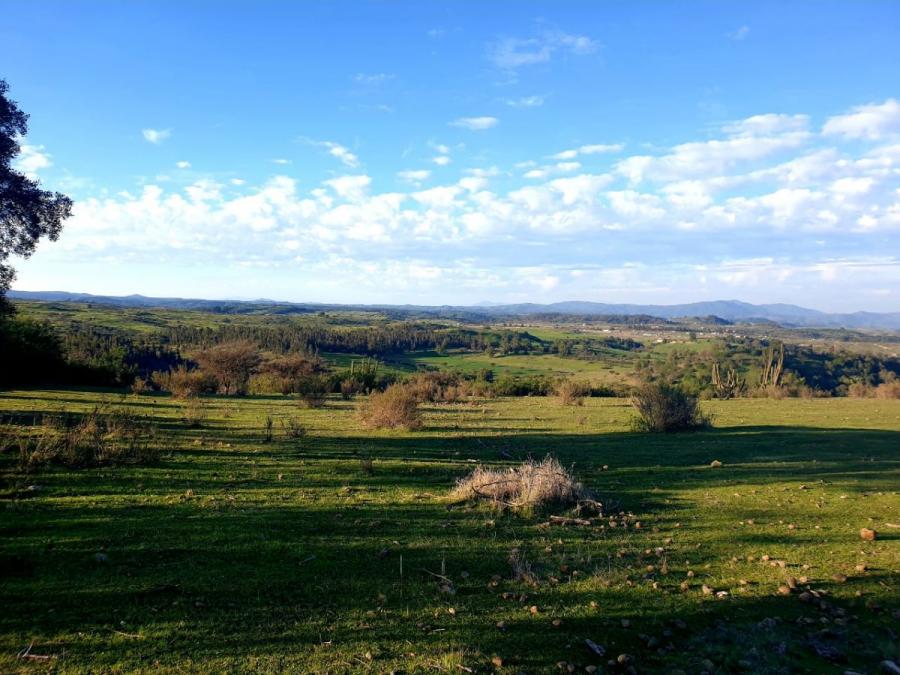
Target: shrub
232	364
193	413
184	383
397	407
527	485
888	390
435	387
571	392
293	428
312	390
96	439
664	408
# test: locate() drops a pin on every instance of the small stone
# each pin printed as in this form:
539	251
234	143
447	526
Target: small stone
557	623
715	464
784	590
501	625
805	596
451	611
590	669
623	659
497	661
533	609
868	535
840	578
862	567
706	590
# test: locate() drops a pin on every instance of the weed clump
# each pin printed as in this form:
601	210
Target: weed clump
397	407
97	439
571	392
526	486
664	408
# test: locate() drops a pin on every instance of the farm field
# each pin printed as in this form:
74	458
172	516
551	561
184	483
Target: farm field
341	551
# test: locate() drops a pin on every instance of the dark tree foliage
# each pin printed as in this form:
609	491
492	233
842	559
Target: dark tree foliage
27	212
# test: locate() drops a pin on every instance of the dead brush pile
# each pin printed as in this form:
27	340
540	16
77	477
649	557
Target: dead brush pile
529	485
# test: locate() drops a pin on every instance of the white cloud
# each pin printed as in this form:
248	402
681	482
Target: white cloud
156	136
372	79
414	176
762	184
183	164
352	188
475	123
525	102
873	121
32	159
740	34
441	160
343	154
589	150
281	160
510	53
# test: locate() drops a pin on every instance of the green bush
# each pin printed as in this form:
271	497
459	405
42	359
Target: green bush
664	408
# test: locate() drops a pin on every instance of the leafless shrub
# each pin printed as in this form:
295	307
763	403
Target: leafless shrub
184	383
367	465
888	390
232	364
571	392
267	429
528	485
397	407
293	428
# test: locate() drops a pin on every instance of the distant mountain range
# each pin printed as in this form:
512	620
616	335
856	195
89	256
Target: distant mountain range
730	310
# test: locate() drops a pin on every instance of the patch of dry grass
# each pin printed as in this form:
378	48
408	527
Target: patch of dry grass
525	486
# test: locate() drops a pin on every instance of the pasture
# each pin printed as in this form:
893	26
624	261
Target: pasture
340	552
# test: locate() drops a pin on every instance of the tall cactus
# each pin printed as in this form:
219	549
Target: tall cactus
731	386
773	366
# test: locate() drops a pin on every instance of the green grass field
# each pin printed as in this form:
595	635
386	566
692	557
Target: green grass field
236	555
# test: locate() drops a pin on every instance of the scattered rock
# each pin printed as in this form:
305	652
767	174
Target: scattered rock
868	535
840	578
784	590
890	667
715	464
497	661
599	650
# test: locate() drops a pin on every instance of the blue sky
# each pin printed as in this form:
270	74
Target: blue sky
437	152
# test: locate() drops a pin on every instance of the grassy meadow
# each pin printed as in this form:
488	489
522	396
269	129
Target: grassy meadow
340	551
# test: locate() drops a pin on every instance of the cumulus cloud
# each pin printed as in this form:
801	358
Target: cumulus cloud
183	164
32	159
156	136
589	150
874	121
761	184
475	123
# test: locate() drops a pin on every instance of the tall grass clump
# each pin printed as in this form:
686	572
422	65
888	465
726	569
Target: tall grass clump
571	392
397	407
98	438
664	408
526	486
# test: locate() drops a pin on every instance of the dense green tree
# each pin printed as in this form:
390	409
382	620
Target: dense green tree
27	213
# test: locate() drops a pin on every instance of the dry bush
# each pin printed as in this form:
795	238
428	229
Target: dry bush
572	393
141	386
348	388
888	390
397	407
194	413
293	428
859	390
435	387
528	485
232	364
184	383
664	408
98	438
